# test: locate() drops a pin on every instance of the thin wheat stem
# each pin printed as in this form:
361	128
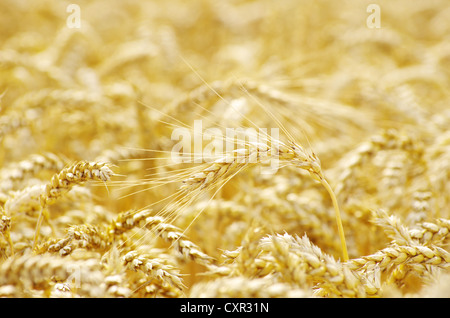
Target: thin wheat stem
338	218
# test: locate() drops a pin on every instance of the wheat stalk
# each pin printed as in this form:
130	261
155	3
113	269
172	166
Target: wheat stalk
230	164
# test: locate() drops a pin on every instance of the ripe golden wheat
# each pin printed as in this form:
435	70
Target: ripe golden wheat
92	203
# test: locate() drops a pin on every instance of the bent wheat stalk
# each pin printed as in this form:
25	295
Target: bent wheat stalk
224	168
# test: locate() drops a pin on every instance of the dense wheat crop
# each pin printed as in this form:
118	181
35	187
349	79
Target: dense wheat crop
352	99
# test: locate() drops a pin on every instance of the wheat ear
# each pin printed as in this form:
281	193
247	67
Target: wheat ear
5	225
417	256
85	236
22	170
31	271
158	225
294	253
63	181
153	268
292	153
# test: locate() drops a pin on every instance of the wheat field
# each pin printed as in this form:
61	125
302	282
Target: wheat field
94	204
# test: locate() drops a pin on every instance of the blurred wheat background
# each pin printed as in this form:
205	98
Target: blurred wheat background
86	116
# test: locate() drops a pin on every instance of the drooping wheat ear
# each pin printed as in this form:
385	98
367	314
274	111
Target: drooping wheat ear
300	260
76	174
5	225
175	236
157	225
128	220
393	227
222	169
10	123
255	153
244	260
388	140
428	233
37	271
154	268
85	236
417	258
29	167
279	257
25	200
63	181
425	233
